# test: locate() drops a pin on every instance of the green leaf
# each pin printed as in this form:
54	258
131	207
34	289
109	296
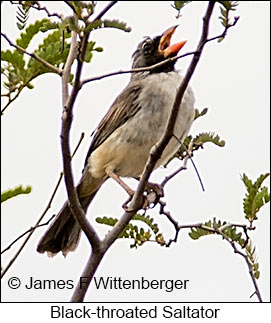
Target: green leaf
256	196
197	233
14	192
147	220
200	114
229	5
229	231
251	254
98	49
225	9
49	25
22	15
51	51
178	5
204	137
89	6
107	23
139	235
30	32
114	23
89	54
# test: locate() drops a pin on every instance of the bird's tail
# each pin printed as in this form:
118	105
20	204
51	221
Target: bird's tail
64	232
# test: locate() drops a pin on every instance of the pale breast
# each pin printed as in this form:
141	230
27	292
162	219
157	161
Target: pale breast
126	150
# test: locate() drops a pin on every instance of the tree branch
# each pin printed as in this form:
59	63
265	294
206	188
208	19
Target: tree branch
68	102
105	10
137	200
183	167
75	205
33	55
218	231
4	271
136	70
31	229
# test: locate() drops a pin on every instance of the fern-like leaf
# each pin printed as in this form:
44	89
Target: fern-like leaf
225	10
252	258
107	23
139	235
229	231
197	233
178	5
22	15
256	196
200	113
205	137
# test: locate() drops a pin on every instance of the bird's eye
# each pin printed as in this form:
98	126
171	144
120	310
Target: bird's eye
147	47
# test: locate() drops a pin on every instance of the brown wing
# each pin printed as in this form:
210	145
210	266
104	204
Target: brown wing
124	107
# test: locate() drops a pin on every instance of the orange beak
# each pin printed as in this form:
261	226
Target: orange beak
165	48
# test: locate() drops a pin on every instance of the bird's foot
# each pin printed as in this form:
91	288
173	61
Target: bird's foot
154	193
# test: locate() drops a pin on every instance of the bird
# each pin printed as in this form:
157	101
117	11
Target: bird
122	142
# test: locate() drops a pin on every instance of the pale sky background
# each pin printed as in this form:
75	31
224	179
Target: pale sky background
232	80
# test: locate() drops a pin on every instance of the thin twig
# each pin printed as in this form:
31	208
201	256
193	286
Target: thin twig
19	90
257	291
183	167
189	153
223	35
4	271
33	55
105	10
37	6
23	234
136	70
218	231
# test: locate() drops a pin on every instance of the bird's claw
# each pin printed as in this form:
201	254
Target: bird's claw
152	196
154	193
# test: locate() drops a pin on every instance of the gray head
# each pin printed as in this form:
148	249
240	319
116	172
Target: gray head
155	50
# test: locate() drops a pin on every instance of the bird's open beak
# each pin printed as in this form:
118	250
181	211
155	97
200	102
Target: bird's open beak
165	48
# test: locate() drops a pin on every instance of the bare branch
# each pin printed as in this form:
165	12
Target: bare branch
33	55
4	271
96	254
170	59
183	167
67	69
257	291
19	90
223	35
137	200
218	231
136	70
23	234
105	10
68	102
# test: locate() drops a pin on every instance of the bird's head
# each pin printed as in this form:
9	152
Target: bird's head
155	50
